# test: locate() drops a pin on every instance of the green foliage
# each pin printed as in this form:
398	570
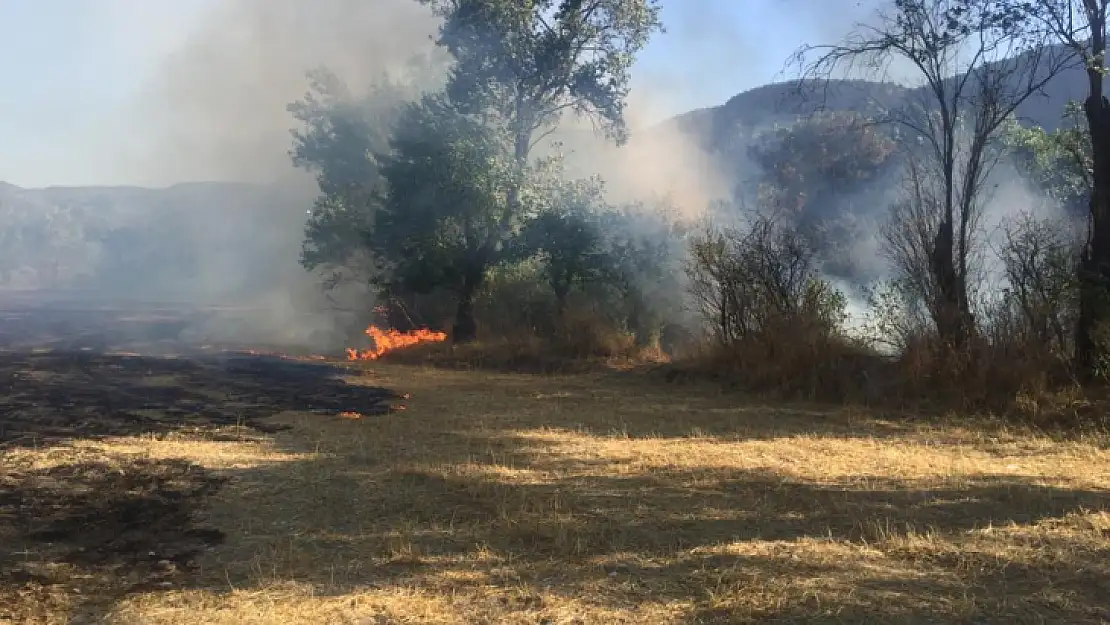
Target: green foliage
648	245
531	61
1058	162
517	300
446	217
625	263
340	140
567	240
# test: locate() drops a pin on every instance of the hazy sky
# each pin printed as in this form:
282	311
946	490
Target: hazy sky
71	67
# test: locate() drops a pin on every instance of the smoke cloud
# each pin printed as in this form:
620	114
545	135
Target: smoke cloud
216	105
214	109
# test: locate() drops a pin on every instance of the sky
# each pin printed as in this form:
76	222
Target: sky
73	68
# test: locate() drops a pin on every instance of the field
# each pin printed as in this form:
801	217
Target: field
225	488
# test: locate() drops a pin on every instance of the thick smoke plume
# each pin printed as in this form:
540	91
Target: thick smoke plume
215	110
216	106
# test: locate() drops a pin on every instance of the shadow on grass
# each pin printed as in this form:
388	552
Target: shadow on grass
638	406
737	546
731	545
94	526
97	529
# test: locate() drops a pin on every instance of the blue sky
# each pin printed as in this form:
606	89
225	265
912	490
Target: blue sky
70	67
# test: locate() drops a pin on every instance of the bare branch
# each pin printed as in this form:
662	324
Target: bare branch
976	68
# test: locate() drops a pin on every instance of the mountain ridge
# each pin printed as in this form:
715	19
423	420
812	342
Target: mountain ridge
250	215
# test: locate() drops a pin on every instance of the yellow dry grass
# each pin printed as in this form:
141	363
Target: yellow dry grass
614	499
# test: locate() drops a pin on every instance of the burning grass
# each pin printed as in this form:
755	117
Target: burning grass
612	499
386	341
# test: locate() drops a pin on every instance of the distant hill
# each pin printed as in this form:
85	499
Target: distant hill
217	239
228	239
724	129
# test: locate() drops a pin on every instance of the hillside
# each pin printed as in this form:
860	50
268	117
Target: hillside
785	101
212	240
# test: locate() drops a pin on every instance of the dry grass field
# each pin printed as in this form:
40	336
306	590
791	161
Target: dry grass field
498	498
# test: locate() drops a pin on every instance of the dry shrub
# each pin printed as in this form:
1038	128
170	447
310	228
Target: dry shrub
1015	379
981	375
582	340
1018	363
790	362
586	334
776	326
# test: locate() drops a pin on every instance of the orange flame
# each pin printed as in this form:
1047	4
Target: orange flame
386	341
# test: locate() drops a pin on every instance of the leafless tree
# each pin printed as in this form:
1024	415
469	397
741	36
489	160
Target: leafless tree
1039	258
760	278
1080	26
976	69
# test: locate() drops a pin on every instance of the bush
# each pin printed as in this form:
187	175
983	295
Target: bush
775	325
581	341
524	328
749	283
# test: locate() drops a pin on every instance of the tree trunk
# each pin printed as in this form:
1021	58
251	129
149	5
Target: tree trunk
560	286
465	328
561	290
952	308
1094	266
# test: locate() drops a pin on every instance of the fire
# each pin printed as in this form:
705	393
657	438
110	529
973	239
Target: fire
389	340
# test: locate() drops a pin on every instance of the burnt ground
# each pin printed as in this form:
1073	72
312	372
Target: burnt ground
90	526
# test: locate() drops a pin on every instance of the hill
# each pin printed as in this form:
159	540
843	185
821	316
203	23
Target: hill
223	240
214	240
783	102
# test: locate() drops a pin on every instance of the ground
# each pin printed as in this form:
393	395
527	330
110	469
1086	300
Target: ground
232	488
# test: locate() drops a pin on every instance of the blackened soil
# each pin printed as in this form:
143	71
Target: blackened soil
80	527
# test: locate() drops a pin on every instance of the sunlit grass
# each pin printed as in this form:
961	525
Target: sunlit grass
614	499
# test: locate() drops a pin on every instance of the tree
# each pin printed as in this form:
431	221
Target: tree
1039	258
647	246
340	141
1080	26
1058	162
977	69
442	222
812	167
568	239
521	65
806	165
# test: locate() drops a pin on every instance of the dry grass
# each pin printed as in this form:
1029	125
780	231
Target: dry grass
531	354
614	499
